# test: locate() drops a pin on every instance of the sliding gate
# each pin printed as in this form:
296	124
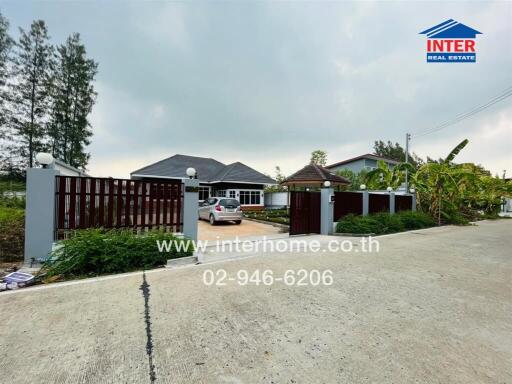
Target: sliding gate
90	202
304	212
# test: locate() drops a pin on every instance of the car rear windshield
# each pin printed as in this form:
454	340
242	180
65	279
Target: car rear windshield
229	203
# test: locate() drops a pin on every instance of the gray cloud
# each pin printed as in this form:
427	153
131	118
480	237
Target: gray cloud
266	83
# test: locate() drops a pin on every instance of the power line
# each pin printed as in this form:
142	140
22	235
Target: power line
502	96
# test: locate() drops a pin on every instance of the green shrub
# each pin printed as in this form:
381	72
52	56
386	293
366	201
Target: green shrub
416	220
358	224
456	218
12	234
389	223
96	252
382	223
273	215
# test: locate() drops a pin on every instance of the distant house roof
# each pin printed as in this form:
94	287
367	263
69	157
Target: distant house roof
366	156
208	170
314	174
450	29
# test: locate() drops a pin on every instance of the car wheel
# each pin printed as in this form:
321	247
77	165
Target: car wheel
212	220
238	222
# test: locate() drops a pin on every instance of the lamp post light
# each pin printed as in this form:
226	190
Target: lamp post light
191	173
44	159
389	189
362	187
412	190
327	184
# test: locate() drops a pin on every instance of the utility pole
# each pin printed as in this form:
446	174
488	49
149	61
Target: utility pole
407	138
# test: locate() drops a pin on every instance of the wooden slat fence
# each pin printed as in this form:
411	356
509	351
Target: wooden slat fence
89	202
403	203
378	203
347	203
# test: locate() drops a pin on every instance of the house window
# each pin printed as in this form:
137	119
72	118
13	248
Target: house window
204	193
232	194
250	197
221	193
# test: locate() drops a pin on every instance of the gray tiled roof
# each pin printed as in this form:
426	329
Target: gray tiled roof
208	170
240	172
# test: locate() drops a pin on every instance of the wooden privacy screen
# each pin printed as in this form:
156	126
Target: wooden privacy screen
347	203
89	202
403	203
378	203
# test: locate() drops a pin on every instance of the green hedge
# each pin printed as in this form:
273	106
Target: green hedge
12	234
382	223
273	215
92	252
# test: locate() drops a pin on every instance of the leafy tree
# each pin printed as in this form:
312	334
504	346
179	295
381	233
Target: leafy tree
356	179
73	94
279	177
395	152
319	157
29	92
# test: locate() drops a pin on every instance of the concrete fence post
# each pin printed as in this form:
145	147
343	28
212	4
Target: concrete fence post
326	211
392	203
39	214
366	203
413	208
190	205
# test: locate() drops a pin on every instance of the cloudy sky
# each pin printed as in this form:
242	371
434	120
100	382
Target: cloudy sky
265	83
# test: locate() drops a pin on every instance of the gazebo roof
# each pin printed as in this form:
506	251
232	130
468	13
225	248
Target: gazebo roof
314	174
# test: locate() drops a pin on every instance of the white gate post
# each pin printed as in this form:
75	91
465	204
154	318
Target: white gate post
326	210
39	214
190	206
366	203
413	208
392	203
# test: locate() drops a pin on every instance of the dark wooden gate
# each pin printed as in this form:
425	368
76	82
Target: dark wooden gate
304	212
89	202
346	203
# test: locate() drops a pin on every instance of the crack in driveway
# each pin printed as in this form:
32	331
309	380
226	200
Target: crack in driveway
144	287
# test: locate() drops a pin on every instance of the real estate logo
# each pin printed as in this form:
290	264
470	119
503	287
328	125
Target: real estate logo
451	42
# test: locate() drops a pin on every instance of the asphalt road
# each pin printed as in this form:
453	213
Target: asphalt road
431	307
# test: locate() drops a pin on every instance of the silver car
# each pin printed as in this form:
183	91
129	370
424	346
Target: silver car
217	209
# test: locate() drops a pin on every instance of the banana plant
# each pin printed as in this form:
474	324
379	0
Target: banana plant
440	185
383	177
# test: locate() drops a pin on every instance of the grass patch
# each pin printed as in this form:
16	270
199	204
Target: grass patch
93	252
12	234
383	223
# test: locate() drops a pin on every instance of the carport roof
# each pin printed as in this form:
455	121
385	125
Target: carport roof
314	174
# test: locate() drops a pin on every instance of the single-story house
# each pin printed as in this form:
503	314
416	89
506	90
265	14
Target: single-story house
366	162
235	180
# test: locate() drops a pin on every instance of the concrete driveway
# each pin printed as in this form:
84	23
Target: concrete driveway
229	230
431	307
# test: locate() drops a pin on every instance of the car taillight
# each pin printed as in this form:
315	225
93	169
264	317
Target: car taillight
217	208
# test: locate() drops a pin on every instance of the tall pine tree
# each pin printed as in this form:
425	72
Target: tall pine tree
73	97
5	48
29	92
